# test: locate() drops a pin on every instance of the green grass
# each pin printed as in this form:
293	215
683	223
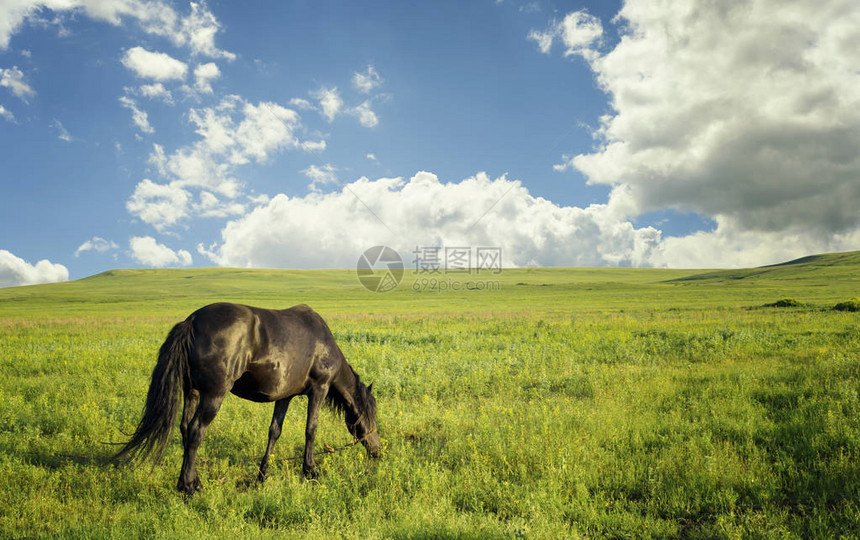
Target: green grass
569	402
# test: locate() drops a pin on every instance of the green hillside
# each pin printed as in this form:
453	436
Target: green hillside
834	266
820	279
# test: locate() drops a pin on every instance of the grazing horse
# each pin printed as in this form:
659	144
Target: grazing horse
258	354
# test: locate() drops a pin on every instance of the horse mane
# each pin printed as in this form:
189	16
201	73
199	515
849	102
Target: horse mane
363	399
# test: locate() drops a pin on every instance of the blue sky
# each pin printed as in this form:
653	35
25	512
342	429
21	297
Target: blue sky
296	134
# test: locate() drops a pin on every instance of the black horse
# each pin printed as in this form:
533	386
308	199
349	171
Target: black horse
258	354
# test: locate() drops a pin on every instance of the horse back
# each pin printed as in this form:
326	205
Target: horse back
261	354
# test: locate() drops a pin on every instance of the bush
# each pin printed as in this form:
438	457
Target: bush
848	305
785	302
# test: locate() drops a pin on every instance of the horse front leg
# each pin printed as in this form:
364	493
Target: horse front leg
315	400
274	432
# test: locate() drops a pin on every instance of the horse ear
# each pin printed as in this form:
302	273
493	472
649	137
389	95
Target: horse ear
370	388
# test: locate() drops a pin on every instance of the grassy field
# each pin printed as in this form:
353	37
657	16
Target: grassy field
562	403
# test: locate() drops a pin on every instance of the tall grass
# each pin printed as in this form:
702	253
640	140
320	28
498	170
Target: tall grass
673	420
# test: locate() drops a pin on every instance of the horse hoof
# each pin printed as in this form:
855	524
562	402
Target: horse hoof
189	489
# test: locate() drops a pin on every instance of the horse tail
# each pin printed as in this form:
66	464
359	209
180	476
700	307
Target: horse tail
170	374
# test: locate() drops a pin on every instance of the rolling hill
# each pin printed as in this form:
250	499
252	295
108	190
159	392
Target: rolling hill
815	280
833	265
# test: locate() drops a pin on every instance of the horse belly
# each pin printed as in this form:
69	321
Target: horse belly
267	382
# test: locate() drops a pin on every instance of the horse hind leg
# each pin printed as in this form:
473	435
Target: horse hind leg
192	397
274	432
207	408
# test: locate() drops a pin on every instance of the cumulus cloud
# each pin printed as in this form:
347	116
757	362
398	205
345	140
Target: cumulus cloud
332	229
196	30
241	131
97	244
7	114
204	74
367	81
313	146
199	29
302	104
16	271
13	79
139	117
331	105
154	65
232	133
319	176
731	245
366	116
209	205
146	250
156	91
579	32
160	205
329	100
745	113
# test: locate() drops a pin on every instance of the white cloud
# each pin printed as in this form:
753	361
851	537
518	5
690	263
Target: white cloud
13	79
139	117
366	117
371	157
62	133
7	114
566	163
748	115
331	105
194	167
302	104
160	205
154	17
329	100
367	81
579	32
332	229
154	65
233	133
16	271
210	205
544	39
732	246
204	74
265	129
156	91
319	176
313	146
262	198
197	30
158	159
262	130
146	250
97	244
